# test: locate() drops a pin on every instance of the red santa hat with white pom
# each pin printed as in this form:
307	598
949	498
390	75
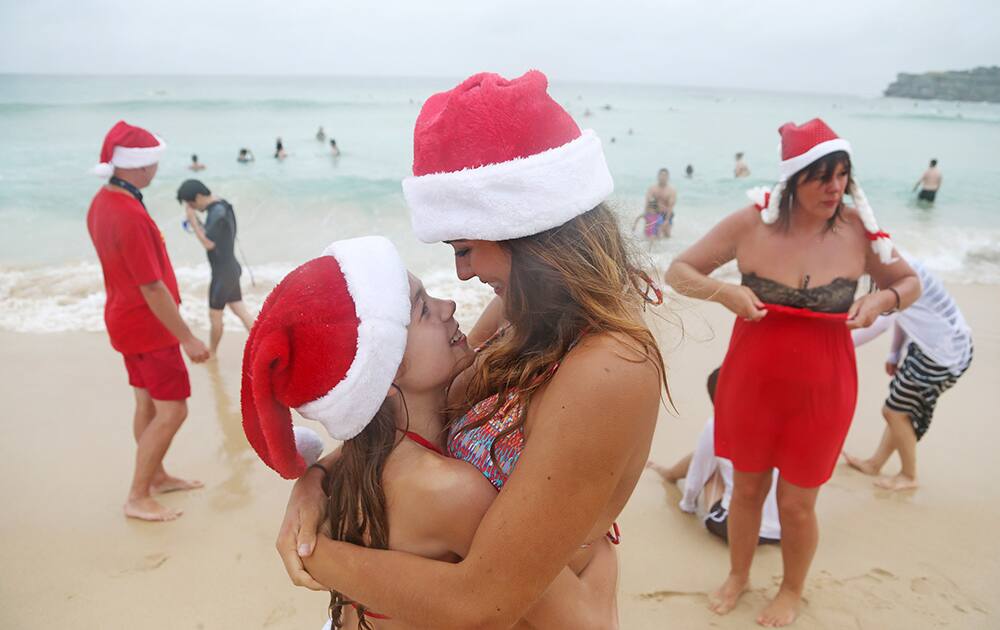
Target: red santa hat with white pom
496	159
127	146
801	145
327	342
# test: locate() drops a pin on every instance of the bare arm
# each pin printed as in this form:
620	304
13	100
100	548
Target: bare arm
490	321
571	466
894	279
689	273
163	306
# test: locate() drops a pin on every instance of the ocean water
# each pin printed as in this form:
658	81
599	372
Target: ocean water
52	129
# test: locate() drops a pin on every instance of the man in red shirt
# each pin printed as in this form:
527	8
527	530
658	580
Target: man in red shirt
141	312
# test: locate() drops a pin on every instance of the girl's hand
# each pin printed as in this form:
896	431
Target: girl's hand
297	536
743	302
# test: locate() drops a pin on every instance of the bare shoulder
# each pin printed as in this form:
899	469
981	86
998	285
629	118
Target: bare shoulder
608	362
852	220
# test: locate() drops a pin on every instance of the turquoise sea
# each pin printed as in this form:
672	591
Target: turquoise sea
52	128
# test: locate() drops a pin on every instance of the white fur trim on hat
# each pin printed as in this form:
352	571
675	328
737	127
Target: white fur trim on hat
377	280
131	157
791	166
308	444
511	199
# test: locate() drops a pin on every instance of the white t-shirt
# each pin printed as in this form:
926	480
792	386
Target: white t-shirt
704	463
934	322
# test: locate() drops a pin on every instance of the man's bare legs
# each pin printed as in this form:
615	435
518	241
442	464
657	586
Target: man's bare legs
674	473
873	465
799	537
905	440
215	330
240	310
745	508
153	436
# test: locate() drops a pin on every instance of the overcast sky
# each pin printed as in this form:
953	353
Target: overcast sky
846	46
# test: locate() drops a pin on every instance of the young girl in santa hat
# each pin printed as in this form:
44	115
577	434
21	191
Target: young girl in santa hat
353	341
559	410
788	385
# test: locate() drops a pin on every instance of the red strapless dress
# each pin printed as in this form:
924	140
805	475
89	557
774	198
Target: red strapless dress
786	394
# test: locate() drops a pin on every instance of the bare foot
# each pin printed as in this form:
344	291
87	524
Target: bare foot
173	484
864	465
149	509
896	482
725	597
782	610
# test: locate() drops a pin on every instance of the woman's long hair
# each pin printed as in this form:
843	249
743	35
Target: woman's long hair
575	279
824	170
357	506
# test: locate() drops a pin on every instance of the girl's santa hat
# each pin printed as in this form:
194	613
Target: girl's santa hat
801	145
496	159
126	146
327	343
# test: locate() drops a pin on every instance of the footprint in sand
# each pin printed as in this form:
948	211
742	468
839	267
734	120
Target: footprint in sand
280	613
660	596
148	563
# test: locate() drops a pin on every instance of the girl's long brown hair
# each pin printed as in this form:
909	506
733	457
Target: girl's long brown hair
357	508
580	277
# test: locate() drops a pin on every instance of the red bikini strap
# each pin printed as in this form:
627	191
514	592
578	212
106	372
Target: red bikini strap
369	613
419	439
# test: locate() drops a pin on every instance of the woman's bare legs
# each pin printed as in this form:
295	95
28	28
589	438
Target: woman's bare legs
799	537
749	492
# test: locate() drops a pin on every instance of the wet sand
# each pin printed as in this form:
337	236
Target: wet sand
68	558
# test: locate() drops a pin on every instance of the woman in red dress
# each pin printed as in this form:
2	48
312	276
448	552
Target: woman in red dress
788	385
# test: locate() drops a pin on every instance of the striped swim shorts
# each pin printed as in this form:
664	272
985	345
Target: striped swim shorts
915	388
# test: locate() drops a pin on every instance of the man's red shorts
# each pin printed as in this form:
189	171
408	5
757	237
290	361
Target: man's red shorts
161	372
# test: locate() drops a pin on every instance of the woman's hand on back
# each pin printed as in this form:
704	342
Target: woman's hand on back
303	518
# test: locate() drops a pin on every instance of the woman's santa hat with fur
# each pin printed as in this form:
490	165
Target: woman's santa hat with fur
801	145
497	159
327	342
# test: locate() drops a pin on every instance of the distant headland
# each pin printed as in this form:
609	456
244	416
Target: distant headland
978	84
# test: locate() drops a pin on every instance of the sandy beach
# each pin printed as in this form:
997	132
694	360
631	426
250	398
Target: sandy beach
68	558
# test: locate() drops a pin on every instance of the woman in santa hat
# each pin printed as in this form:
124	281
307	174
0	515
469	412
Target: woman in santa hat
788	385
353	341
559	409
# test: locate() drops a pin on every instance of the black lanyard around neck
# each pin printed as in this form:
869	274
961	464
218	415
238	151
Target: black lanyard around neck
121	183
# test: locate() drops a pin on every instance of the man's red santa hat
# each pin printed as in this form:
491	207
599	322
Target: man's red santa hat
496	159
126	146
327	343
801	145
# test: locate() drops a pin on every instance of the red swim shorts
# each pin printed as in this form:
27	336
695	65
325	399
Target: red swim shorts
161	372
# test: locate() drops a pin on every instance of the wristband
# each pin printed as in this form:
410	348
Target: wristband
898	301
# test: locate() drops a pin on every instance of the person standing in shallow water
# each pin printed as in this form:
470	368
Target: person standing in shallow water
929	184
740	169
218	237
141	313
788	385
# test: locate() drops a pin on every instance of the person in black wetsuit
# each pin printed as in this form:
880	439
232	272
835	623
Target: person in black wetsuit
218	236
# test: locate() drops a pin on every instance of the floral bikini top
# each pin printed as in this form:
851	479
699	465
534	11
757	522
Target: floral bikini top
474	445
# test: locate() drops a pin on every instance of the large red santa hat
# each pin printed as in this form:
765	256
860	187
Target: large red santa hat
126	146
801	145
327	343
495	159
